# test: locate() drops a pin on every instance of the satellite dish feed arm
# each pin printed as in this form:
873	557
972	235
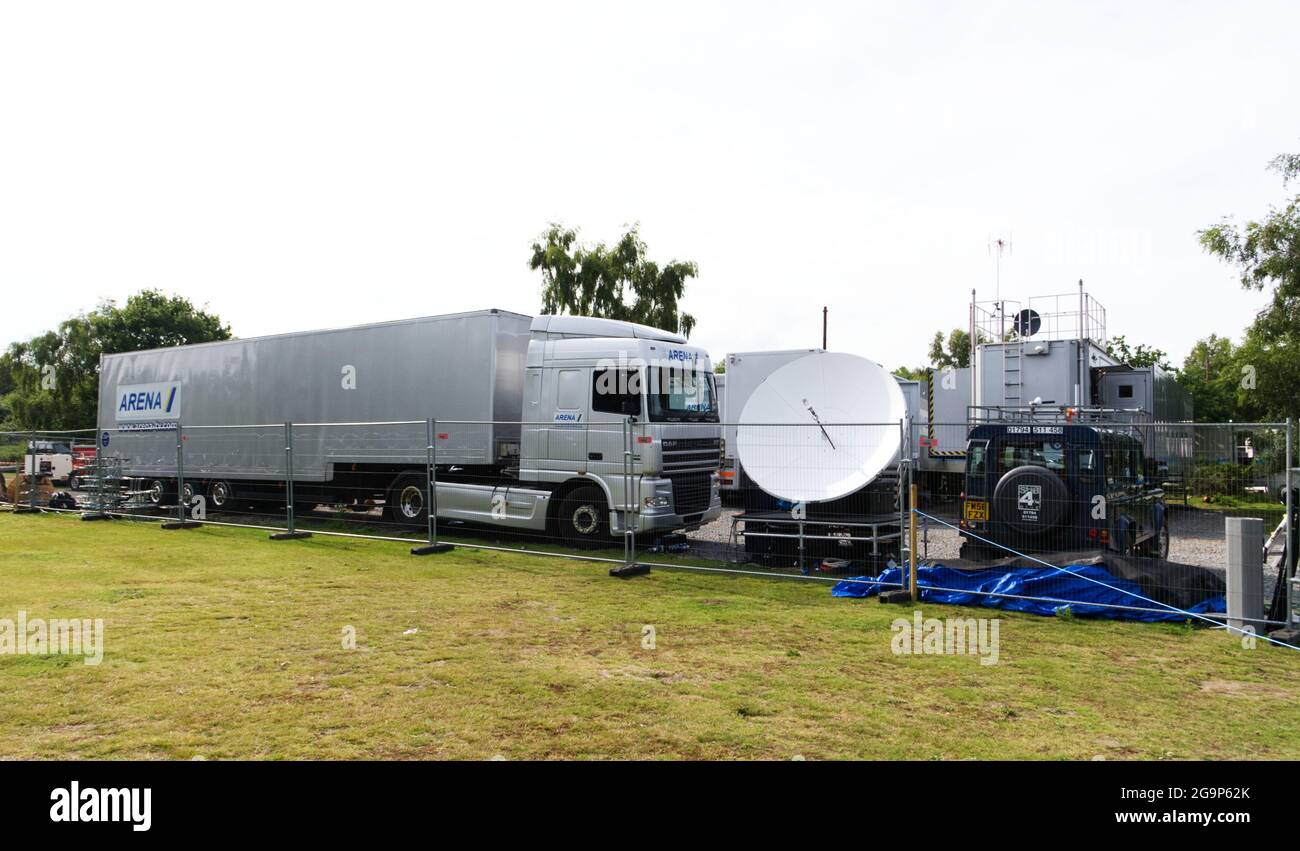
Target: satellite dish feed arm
819	423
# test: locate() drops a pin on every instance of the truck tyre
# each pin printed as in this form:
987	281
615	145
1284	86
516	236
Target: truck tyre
584	517
405	500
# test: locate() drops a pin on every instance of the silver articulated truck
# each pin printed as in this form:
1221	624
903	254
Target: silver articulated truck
530	420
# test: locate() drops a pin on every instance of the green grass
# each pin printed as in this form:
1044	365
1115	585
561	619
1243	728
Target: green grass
221	644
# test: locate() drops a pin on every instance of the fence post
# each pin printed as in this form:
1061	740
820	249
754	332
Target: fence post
911	546
905	592
1288	570
1245	571
431	491
181	522
291	532
629	566
31	472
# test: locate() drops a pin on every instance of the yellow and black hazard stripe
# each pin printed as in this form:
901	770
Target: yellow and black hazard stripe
929	421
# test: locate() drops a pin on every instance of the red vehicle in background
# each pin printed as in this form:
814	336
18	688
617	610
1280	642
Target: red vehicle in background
83	464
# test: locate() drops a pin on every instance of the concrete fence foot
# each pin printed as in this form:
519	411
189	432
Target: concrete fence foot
431	549
288	536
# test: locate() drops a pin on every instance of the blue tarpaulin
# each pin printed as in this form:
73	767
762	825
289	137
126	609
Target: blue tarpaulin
939	584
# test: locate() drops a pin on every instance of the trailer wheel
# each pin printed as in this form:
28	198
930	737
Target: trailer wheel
405	500
220	495
584	517
160	490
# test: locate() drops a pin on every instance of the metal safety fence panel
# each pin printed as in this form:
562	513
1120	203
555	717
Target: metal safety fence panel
1166	520
42	469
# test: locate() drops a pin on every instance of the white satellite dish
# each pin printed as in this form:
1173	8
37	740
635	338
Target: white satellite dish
820	427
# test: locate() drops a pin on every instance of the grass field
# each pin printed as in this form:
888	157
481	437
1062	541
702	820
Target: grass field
221	644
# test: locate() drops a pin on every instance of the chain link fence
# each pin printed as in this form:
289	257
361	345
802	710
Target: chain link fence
1133	520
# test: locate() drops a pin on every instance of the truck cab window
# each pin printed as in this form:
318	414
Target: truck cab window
682	394
569	395
616	391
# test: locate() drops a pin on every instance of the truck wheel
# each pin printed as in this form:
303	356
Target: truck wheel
405	500
74	483
584	517
187	495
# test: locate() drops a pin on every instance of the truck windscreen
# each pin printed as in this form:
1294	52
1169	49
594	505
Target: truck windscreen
677	394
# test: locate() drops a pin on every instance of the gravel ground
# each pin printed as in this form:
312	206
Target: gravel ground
1196	538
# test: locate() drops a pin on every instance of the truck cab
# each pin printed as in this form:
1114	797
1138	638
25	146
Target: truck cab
1040	487
584	379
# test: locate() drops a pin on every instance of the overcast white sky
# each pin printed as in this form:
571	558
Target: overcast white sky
304	165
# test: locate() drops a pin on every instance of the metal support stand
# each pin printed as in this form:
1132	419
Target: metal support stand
629	567
181	522
290	533
431	493
100	511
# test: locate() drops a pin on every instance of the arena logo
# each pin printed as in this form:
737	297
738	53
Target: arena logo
149	401
92	804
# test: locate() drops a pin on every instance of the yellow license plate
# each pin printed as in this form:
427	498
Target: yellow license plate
977	510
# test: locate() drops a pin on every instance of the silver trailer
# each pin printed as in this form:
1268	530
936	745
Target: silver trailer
465	366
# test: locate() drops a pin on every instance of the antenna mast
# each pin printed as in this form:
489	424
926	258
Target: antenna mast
998	246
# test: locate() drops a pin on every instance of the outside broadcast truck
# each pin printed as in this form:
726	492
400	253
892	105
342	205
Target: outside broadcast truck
533	417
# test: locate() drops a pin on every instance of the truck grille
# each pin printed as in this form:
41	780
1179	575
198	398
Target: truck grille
691	491
693	454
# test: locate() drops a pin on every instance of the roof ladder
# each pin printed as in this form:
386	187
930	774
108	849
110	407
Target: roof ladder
1012	374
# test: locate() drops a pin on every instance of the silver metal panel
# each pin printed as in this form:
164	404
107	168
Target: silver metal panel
456	367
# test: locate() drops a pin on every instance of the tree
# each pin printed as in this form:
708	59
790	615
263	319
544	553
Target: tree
1140	355
955	354
1210	378
911	373
598	280
53	379
1267	253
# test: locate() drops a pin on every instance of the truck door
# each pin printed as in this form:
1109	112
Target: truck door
567	443
615	395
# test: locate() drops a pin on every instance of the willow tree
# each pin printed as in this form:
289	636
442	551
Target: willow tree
611	282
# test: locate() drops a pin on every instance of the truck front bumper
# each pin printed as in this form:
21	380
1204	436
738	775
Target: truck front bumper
656	511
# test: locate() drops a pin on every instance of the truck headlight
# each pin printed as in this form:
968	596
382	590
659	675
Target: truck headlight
658	501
